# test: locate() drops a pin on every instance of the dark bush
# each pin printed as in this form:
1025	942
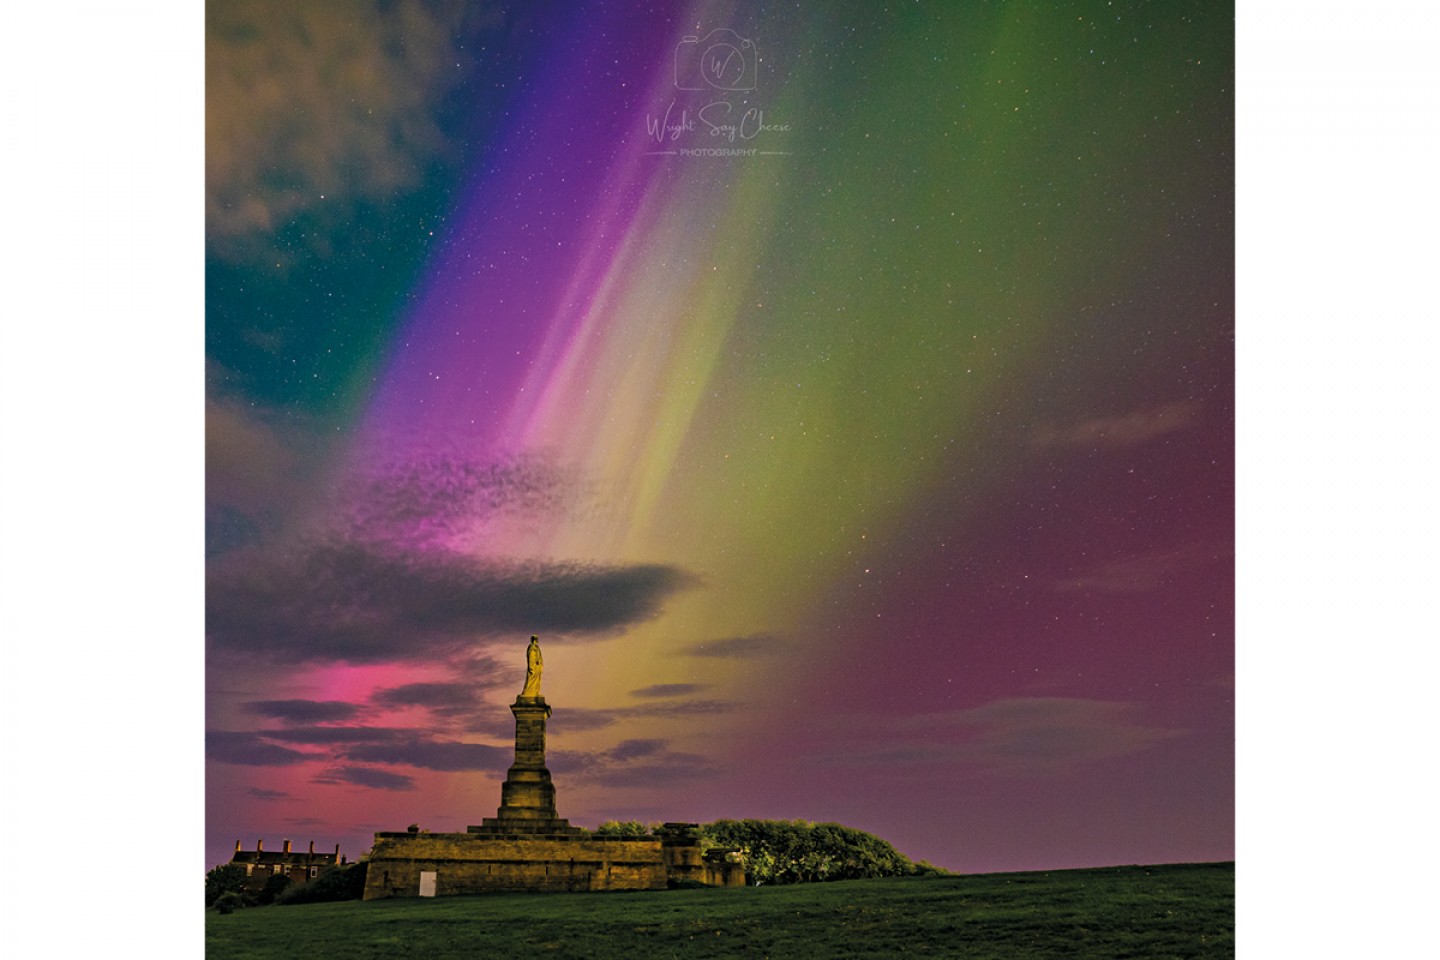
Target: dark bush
274	886
230	901
629	830
226	878
339	883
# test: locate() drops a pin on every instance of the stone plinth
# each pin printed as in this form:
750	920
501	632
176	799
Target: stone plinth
528	793
527	798
467	863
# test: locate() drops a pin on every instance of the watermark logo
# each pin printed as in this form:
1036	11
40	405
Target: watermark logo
726	66
724	60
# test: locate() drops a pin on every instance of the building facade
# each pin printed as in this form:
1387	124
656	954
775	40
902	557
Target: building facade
300	866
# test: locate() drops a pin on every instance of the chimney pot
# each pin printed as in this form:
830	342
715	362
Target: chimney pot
312	848
286	848
237	846
260	845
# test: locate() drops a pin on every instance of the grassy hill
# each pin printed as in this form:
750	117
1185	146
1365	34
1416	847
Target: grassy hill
1183	910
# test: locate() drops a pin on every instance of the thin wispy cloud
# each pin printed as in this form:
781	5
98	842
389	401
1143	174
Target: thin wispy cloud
433	755
261	793
367	777
588	718
436	696
667	690
1022	736
1140	573
355	748
631	763
736	648
1119	431
303	711
1054	734
320	736
249	749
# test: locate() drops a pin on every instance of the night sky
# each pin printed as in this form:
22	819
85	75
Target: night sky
858	436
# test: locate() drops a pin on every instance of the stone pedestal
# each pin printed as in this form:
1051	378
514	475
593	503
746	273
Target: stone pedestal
528	793
527	798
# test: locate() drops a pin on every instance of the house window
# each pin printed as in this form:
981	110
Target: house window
277	868
314	871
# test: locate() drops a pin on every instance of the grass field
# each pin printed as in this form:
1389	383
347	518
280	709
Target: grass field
1184	910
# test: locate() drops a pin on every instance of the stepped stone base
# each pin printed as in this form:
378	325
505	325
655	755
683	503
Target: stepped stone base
514	827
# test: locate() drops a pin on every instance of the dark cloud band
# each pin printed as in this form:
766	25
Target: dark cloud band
358	604
303	711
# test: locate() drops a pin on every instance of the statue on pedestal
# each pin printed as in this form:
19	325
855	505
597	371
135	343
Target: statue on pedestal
534	663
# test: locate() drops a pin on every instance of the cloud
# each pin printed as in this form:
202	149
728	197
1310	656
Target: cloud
433	755
1118	432
262	470
631	763
1137	574
456	707
668	690
435	696
673	768
249	466
630	749
260	793
368	777
248	749
736	648
675	708
382	746
1037	736
320	736
436	498
582	718
313	108
262	467
302	711
359	604
1049	733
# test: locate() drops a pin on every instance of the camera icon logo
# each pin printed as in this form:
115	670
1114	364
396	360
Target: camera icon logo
722	61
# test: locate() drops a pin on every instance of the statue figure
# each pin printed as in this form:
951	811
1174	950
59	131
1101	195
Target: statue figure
533	664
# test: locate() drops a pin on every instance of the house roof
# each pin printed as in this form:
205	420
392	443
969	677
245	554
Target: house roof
303	857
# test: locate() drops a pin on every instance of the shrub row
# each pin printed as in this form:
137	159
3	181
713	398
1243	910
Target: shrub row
798	851
226	889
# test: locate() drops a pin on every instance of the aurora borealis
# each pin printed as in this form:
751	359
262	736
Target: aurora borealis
883	474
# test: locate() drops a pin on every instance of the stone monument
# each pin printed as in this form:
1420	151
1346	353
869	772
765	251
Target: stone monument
527	798
526	846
